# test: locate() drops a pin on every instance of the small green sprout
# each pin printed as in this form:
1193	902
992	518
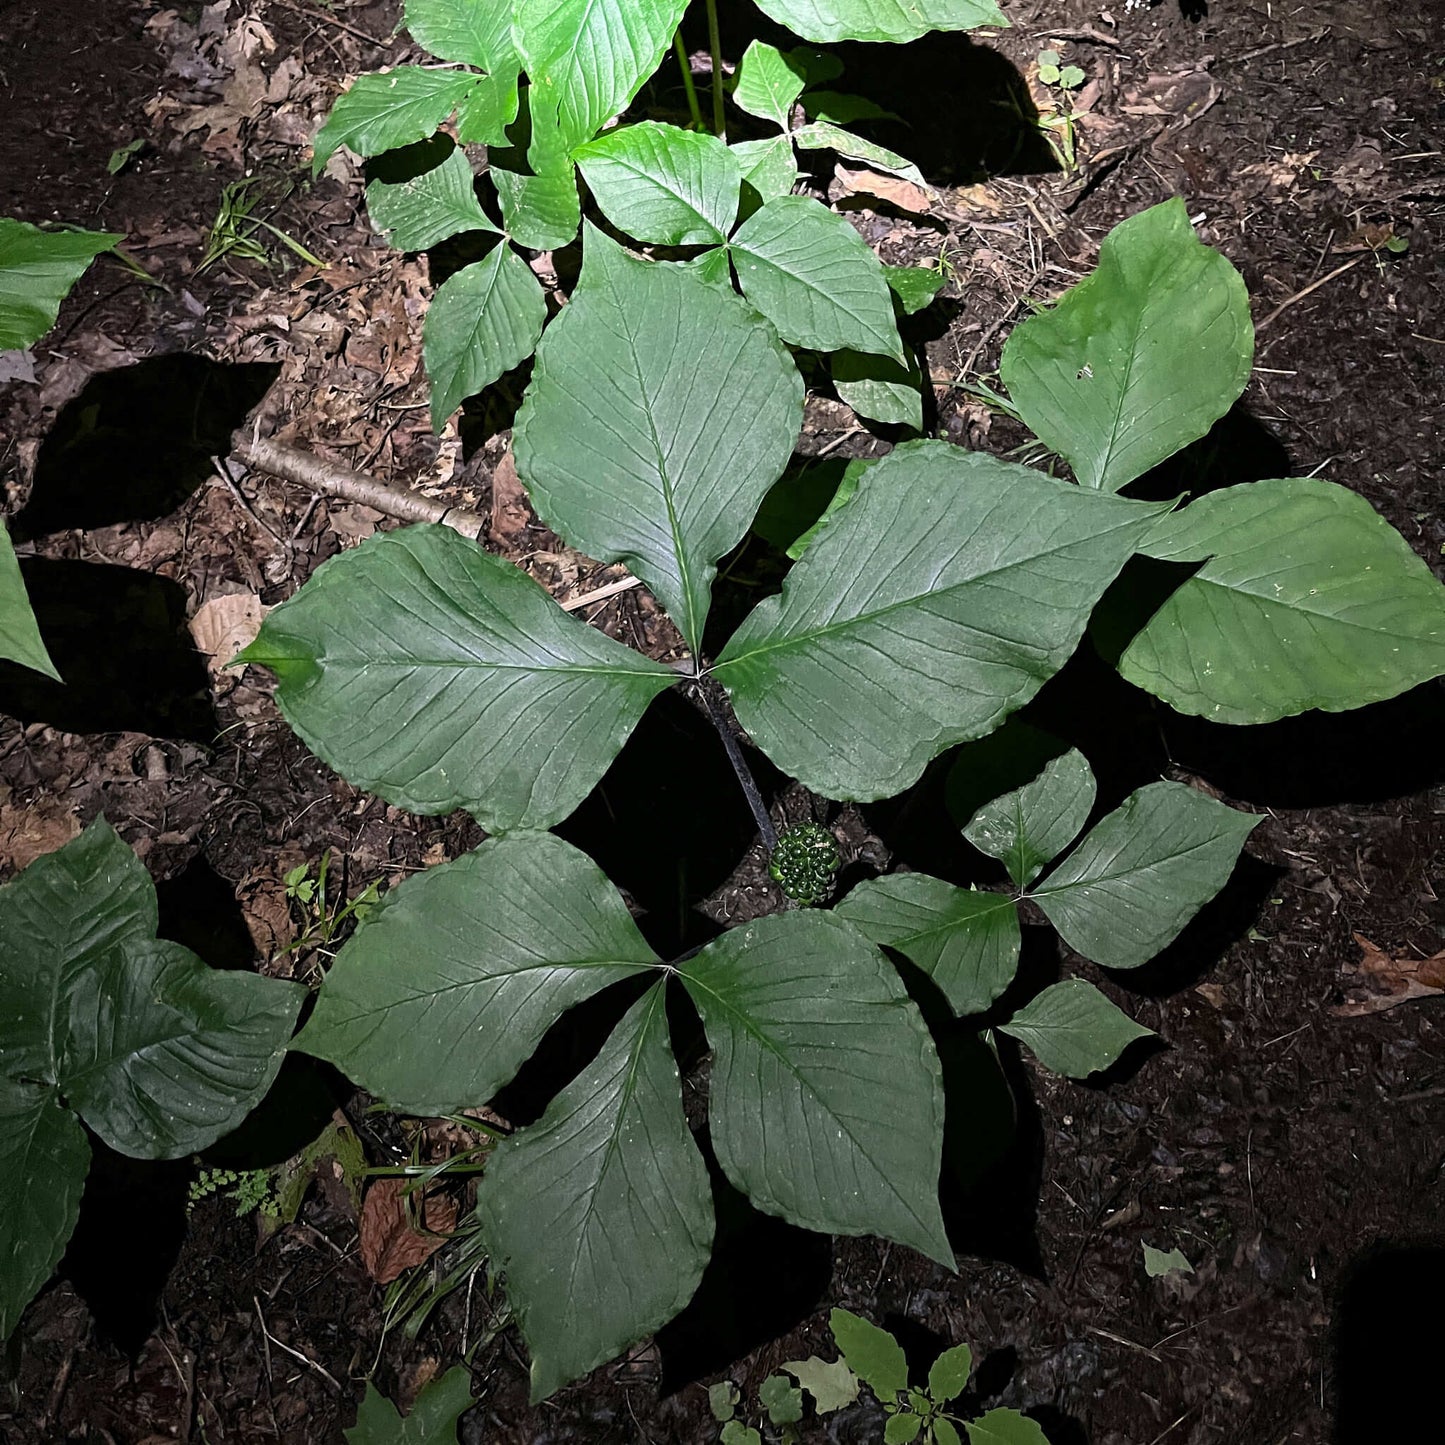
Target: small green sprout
1051	72
803	863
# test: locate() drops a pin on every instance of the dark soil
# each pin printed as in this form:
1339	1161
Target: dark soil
1293	1154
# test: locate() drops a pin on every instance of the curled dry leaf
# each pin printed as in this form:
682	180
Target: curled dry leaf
389	1244
225	625
892	190
1381	982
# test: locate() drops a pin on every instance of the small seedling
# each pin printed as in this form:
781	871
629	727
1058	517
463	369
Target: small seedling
248	1189
324	922
233	233
1059	128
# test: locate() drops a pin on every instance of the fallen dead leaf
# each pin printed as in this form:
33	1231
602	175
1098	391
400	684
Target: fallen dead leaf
389	1245
1381	982
224	625
510	511
29	832
906	195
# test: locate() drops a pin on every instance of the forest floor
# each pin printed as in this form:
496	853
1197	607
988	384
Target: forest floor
1289	1144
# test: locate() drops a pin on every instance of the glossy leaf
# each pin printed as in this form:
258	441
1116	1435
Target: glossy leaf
664	185
385	110
600	1214
20	639
432	1421
1004	1427
439	677
484	320
1032	825
37	270
1142	873
939	600
428	208
879	388
826	1101
444	994
814	277
768	83
967	942
871	1353
541	212
948	1375
895	20
768	166
1138	359
471	32
820	135
1073	1029
590	60
632	450
488	109
44	1158
1307	598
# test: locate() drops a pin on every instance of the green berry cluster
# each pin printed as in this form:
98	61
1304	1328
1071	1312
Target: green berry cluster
804	861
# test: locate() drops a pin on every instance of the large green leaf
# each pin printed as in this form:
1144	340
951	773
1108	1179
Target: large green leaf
1073	1029
820	135
44	1158
600	1214
542	211
388	109
815	278
433	1419
428	208
871	1353
484	320
1032	825
445	992
1142	873
160	1054
20	639
632	448
1308	598
768	83
488	109
37	270
1138	359
664	185
1004	1427
939	600
896	20
826	1099
966	941
427	671
768	166
590	59
472	32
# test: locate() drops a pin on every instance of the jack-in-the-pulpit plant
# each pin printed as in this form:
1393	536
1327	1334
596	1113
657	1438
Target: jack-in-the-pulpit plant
932	605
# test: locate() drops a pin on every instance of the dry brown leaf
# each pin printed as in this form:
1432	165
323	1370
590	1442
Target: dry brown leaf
1382	982
906	195
510	511
389	1245
30	832
224	625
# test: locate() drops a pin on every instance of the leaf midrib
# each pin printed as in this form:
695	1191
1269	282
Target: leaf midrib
1093	882
1331	617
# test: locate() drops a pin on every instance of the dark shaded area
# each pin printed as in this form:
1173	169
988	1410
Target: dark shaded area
138	441
1237	448
118	637
198	908
1386	1346
132	1223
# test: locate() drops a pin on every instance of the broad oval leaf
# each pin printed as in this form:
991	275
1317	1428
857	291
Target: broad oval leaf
600	1214
1142	873
664	185
437	676
878	388
20	639
1004	1427
1073	1029
445	992
484	320
591	59
768	82
387	109
939	600
1032	825
967	942
826	1094
636	453
948	1374
1138	359
885	20
815	278
428	208
44	1158
1307	598
472	32
872	1354
914	287
768	166
37	270
541	212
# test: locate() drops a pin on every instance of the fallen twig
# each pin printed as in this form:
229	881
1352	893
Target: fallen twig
1301	294
337	481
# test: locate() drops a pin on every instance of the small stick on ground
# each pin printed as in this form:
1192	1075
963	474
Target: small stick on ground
336	481
1305	291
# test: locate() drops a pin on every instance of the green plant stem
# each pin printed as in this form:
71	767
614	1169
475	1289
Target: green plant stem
720	721
714	40
685	65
